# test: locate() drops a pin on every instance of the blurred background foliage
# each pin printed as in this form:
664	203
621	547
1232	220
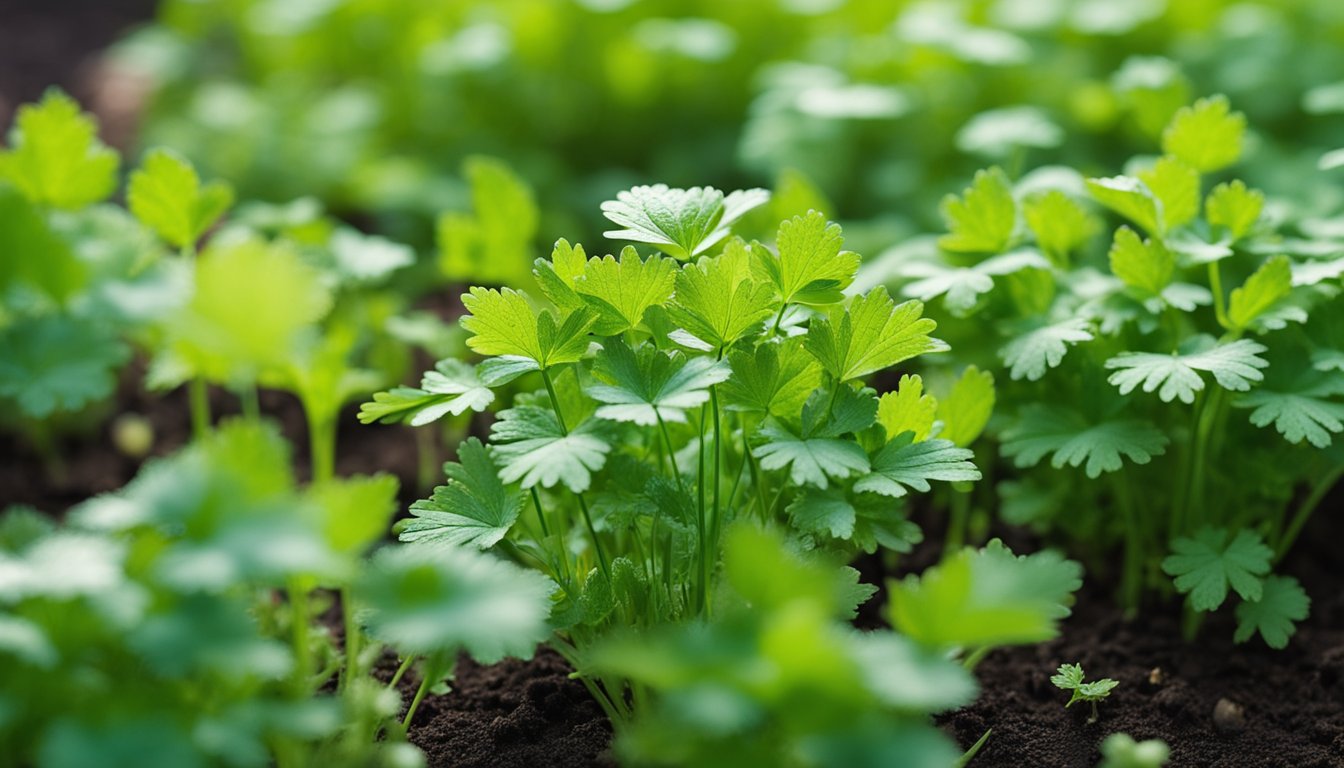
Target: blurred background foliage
871	109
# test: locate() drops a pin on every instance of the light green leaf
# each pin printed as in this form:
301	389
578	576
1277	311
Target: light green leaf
474	509
1204	566
1143	264
718	301
907	409
984	218
811	267
1031	354
1304	413
961	287
361	258
681	222
966	409
167	196
1176	187
453	387
647	385
1282	604
1234	207
55	363
810	460
775	378
426	600
493	243
558	276
871	334
902	463
354	512
1070	678
1073	441
1261	291
1060	224
1234	366
1130	198
1207	136
55	157
502	322
621	291
1120	750
533	449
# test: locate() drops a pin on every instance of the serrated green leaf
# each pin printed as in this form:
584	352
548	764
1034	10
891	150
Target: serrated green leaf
55	363
557	276
493	243
1261	291
1304	413
453	387
961	287
966	409
984	218
718	301
355	512
1070	678
1130	198
1282	604
166	195
55	157
1234	207
870	334
845	410
811	460
619	292
502	322
826	513
1143	264
904	464
1033	353
534	449
1073	441
681	222
1207	136
35	256
1059	223
1234	366
1204	566
811	267
474	509
907	409
647	385
774	379
1176	187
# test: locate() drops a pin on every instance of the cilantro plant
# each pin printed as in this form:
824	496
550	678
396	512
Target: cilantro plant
1173	384
1070	678
672	393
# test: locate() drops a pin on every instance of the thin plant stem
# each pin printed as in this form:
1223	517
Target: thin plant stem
583	504
671	452
1304	511
959	512
352	638
200	407
401	670
702	587
1132	583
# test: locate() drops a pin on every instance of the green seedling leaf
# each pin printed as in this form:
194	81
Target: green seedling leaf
493	243
1033	353
965	410
1060	223
871	334
55	157
717	299
1146	265
811	267
904	464
1282	604
55	363
533	449
502	322
1204	566
1234	207
647	385
426	600
1255	298
984	218
774	379
907	409
1070	678
1072	441
1207	136
620	292
167	196
474	509
683	223
1235	365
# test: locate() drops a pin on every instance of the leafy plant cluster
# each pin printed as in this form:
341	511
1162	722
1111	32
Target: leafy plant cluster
1171	383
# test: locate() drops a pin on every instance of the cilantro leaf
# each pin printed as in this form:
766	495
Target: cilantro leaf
1065	434
1204	566
681	222
1233	207
1070	678
811	459
493	243
987	597
502	322
621	291
644	385
55	157
811	267
966	409
907	409
558	276
354	512
1207	136
718	301
56	363
453	387
474	509
1059	223
1282	604
1234	366
824	512
1303	413
871	334
1031	354
167	196
1176	187
903	463
1131	198
1258	295
1143	264
533	449
984	218
775	379
961	287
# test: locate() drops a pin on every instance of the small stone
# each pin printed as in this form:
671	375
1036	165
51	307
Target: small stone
1229	716
1156	676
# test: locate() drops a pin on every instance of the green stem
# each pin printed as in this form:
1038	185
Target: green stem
976	656
401	670
1304	511
716	518
541	517
555	401
420	692
959	513
1132	582
1216	286
779	318
352	638
299	635
671	452
583	505
322	445
250	401
1208	418
701	524
1191	621
200	408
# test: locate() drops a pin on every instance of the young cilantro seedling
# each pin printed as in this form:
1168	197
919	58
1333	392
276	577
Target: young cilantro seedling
1070	678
